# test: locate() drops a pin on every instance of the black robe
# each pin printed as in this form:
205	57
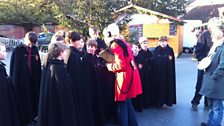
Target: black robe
145	58
56	105
164	75
26	81
79	88
9	112
93	73
101	45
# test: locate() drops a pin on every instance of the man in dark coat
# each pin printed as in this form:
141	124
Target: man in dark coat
56	106
25	72
80	90
9	112
202	48
164	72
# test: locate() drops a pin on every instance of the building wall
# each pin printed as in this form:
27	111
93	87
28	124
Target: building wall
154	31
18	32
12	31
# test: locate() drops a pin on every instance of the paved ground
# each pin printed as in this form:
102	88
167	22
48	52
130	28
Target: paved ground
181	113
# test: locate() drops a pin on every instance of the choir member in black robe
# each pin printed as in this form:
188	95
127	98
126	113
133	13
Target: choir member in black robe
80	90
94	34
145	65
25	72
9	112
138	101
56	105
93	71
165	80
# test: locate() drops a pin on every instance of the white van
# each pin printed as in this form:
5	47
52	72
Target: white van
189	36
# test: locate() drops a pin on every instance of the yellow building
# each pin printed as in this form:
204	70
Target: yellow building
152	25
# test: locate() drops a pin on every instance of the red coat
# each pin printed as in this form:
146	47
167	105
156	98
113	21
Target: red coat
123	70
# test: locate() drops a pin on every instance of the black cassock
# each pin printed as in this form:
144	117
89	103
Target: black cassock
56	105
145	59
79	88
9	112
93	72
26	80
164	75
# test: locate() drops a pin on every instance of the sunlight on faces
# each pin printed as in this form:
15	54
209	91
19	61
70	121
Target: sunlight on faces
217	35
3	53
135	50
91	49
77	44
144	45
81	43
163	43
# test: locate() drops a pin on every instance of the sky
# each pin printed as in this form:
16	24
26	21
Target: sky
203	2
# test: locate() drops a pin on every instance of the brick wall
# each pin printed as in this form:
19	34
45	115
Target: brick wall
12	31
18	32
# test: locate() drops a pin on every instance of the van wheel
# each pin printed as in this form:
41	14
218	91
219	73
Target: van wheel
187	50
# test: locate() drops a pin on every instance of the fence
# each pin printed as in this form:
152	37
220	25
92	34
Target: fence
10	43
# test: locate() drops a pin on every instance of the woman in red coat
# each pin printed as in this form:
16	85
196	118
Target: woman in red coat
127	83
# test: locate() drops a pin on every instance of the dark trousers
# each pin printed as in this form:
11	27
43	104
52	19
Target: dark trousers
126	114
197	97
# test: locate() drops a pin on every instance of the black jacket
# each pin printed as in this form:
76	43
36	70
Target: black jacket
203	46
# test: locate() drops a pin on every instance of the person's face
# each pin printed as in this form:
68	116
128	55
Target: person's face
92	33
163	43
91	49
3	53
144	45
135	49
77	44
26	40
217	35
81	45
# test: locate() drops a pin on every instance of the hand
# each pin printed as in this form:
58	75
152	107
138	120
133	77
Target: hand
170	57
140	66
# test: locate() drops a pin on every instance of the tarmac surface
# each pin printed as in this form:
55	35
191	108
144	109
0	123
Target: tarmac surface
181	113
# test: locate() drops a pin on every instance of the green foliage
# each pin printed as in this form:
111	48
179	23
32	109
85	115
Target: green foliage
81	14
78	14
27	13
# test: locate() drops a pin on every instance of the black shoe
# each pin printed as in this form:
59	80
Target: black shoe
194	107
206	107
203	124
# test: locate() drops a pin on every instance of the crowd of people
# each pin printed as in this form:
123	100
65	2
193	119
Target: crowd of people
76	86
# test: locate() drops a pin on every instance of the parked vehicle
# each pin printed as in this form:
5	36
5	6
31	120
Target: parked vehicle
44	38
43	49
190	38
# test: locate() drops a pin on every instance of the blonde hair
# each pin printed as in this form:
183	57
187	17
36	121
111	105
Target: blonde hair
54	49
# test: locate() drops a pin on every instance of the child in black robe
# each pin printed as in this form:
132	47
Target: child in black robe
9	112
56	105
73	60
93	71
25	72
164	72
145	65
